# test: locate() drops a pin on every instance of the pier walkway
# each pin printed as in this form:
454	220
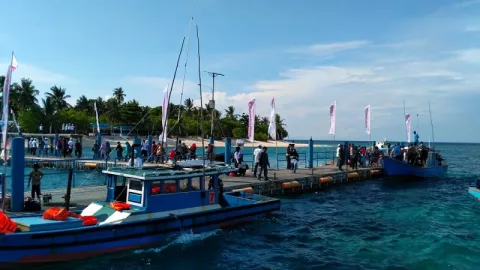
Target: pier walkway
280	182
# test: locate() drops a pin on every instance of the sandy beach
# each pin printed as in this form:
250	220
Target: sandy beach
87	141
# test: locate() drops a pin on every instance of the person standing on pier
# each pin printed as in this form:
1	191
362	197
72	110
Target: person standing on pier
287	156
341	157
415	138
256	158
95	150
78	149
263	161
35	178
119	150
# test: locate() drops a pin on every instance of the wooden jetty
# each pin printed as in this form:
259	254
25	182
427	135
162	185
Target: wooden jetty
280	182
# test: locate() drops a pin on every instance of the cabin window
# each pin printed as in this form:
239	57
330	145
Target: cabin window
135	185
155	188
170	186
195	183
184	185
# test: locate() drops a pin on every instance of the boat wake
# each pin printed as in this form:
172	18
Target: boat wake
185	238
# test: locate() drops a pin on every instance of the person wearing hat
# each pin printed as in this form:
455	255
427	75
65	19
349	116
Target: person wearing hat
256	157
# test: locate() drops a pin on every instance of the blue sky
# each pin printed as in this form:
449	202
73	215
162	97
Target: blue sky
305	53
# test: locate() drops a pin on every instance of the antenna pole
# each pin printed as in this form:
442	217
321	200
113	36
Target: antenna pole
431	123
213	74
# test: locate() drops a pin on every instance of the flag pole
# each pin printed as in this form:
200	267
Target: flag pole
404	114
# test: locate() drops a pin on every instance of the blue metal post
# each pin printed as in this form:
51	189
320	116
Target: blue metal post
211	140
310	153
18	174
55	141
149	149
228	151
99	142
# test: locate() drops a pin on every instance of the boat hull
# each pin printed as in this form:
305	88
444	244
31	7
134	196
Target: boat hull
402	170
474	192
57	246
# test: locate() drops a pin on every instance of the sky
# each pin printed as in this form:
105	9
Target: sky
307	54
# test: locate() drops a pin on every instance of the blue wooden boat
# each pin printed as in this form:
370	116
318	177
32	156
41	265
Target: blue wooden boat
162	203
475	192
435	167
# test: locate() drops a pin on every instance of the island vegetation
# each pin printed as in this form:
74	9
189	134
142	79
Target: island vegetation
52	110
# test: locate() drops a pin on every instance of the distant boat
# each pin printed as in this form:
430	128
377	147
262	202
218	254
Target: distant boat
475	192
435	167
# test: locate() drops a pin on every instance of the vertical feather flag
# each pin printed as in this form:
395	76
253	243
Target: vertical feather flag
96	114
367	119
408	123
333	109
251	119
272	127
6	93
163	136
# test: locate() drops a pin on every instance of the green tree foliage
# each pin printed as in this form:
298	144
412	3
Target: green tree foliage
184	119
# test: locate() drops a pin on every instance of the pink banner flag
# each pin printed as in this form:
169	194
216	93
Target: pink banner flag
333	109
408	123
367	119
272	127
163	136
251	119
6	93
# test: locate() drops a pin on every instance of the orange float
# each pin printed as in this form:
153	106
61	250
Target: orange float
6	224
55	213
119	206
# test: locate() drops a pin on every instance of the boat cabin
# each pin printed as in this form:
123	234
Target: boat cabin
164	190
435	159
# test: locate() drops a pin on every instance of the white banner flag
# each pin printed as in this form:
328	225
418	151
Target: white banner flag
96	115
272	127
408	123
367	119
333	109
163	136
251	120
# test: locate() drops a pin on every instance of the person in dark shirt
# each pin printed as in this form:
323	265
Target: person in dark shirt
263	163
341	158
78	149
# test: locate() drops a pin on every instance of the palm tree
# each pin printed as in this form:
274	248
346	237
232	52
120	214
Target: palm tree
58	97
23	95
264	121
280	126
119	95
83	104
230	113
188	105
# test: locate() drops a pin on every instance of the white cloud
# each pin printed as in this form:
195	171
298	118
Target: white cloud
469	55
330	48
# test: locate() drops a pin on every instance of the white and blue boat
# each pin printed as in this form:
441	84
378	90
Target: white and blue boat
142	207
435	167
475	191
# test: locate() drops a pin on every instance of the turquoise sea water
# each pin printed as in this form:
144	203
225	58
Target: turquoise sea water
373	224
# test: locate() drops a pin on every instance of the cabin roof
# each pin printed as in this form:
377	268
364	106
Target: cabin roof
145	174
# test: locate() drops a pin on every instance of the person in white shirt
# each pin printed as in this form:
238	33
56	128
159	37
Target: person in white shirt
256	157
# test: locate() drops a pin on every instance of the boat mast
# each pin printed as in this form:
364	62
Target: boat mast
404	119
201	104
431	123
171	87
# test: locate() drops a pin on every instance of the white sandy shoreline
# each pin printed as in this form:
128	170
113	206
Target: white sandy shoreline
88	141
